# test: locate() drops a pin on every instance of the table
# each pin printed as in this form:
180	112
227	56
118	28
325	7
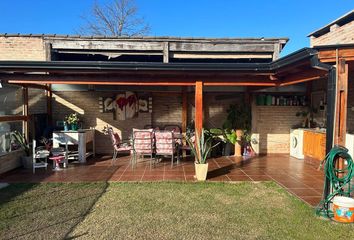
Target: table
80	137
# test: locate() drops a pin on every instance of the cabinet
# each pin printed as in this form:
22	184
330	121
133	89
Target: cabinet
314	144
80	138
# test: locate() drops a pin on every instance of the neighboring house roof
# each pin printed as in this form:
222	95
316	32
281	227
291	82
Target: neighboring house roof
187	49
153	38
346	18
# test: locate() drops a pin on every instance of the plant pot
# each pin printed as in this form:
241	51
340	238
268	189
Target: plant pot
74	126
239	134
201	171
27	161
227	149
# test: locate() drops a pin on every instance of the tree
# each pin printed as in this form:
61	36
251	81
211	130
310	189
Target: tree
115	18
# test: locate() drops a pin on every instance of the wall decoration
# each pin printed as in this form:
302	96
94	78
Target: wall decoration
143	104
131	107
123	105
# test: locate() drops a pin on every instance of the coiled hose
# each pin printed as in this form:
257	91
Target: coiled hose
337	180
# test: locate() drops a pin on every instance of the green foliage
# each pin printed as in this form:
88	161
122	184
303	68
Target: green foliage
72	118
231	136
20	139
202	146
238	117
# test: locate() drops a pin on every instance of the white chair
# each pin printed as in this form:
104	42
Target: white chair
40	157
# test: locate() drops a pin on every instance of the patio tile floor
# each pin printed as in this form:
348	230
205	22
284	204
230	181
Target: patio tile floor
297	177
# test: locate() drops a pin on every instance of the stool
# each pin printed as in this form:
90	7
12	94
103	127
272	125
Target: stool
56	160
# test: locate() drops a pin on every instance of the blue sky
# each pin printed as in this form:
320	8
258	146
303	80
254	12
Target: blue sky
194	18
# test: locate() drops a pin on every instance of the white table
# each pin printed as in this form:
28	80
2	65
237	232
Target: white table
81	138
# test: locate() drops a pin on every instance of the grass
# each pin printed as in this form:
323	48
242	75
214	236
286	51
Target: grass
160	211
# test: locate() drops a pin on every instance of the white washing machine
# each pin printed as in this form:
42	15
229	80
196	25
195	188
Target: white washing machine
296	143
349	144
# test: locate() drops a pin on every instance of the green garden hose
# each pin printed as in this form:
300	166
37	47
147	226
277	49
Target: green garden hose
337	180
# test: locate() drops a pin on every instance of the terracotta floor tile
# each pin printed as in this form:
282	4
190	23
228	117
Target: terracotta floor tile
239	178
221	178
313	201
152	178
304	192
130	178
174	177
236	173
260	178
292	184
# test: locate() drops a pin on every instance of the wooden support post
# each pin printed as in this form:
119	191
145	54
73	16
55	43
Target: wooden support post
166	52
184	110
341	103
184	116
49	104
25	112
199	107
341	108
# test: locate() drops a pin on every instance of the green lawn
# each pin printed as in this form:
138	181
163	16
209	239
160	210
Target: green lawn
160	211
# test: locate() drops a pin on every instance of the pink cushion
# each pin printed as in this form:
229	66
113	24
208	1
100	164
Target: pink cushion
165	143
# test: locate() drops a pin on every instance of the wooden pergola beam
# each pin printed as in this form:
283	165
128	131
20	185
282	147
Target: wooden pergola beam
330	55
31	85
301	80
13	118
144	80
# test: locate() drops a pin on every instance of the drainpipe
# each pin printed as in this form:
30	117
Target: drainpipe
331	106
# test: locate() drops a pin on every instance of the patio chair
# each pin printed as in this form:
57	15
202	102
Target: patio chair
118	147
40	156
166	145
173	128
143	144
59	156
177	132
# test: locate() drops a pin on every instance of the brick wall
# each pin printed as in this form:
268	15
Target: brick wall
166	109
273	124
337	35
37	101
86	105
215	106
22	48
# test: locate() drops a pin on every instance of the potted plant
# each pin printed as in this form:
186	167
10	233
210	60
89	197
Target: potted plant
307	116
200	148
238	121
72	121
20	139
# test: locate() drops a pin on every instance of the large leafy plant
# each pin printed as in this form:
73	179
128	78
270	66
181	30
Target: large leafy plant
238	117
20	139
201	147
